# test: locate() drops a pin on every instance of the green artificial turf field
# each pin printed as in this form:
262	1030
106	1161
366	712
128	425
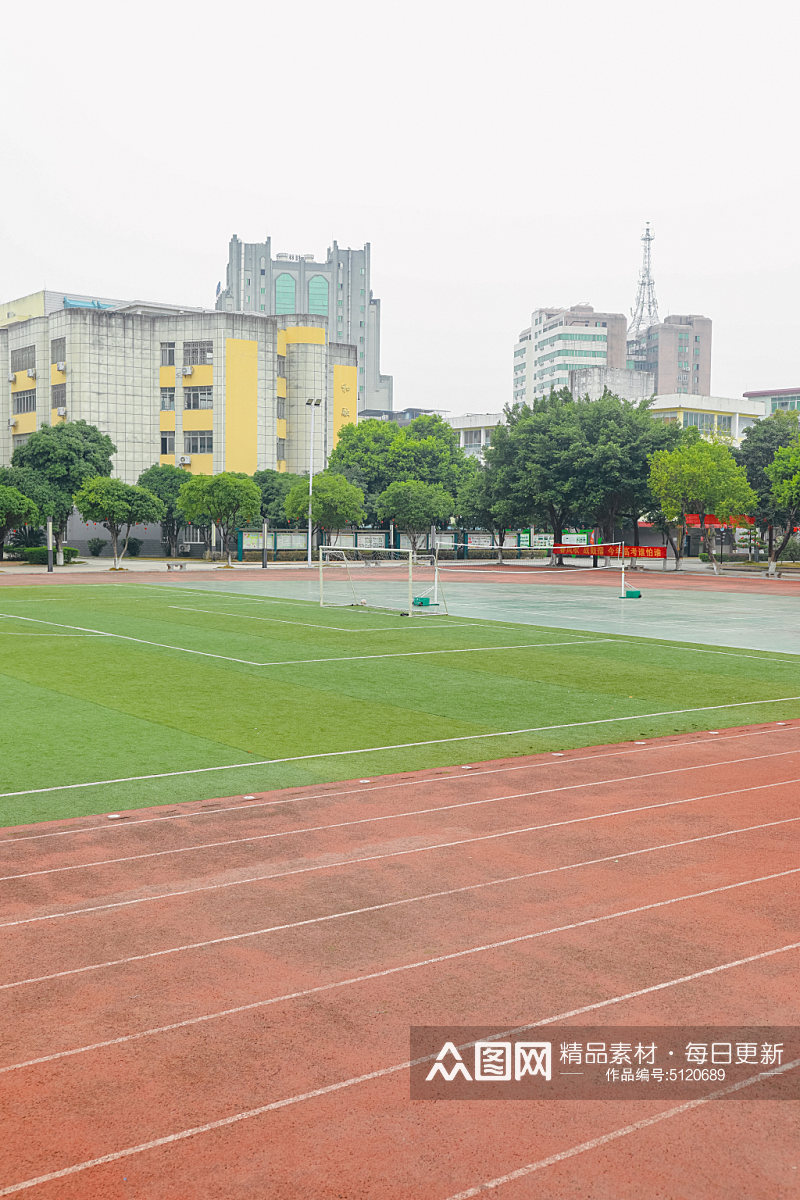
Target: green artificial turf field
195	680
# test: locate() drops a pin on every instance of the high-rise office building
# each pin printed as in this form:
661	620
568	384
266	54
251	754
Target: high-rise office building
678	353
560	340
338	288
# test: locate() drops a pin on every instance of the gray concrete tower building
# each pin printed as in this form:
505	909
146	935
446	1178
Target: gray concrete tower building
338	288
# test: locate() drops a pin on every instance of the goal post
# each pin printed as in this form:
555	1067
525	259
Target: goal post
390	580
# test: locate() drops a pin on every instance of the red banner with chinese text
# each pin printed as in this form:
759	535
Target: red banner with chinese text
611	551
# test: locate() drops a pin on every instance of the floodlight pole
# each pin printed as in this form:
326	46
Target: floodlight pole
49	544
312	404
264	530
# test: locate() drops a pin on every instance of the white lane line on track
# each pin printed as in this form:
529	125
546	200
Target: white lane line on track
650	748
605	1138
381	1073
240	616
370	858
353	912
469	737
414	812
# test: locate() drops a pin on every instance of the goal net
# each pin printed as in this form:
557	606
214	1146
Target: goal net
381	579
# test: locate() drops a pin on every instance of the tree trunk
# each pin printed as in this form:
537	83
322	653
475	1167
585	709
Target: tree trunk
777	550
2	549
113	532
501	537
708	538
60	534
173	540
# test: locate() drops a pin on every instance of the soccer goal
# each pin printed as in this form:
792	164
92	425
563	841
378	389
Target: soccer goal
381	579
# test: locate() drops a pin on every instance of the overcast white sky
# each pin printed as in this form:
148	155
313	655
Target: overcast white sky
498	157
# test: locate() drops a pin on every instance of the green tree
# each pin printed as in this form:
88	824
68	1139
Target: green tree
374	454
334	502
414	507
484	502
757	451
46	499
619	437
539	453
275	487
228	499
65	455
15	509
117	506
165	481
700	477
783	474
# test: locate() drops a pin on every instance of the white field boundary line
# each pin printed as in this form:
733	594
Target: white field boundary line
415	812
214	612
469	737
650	748
624	1131
296	662
340	1085
767	656
471	887
33	633
371	858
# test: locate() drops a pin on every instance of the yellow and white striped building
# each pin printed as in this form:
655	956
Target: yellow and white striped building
207	391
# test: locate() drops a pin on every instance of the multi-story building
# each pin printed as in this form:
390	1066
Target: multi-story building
208	391
475	431
338	289
621	381
712	415
678	352
560	340
777	400
43	303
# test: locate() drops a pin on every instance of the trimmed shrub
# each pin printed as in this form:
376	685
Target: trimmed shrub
37	555
96	546
134	547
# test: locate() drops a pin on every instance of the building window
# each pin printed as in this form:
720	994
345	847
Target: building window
281	366
58	395
285	290
318	295
702	421
472	437
280	448
198	443
168	354
19	439
197	397
168	399
198	354
280	409
724	424
24	359
25	401
58	350
168	443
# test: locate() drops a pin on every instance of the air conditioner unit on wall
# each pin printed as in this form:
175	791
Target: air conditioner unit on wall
62	412
31	372
12	422
12	377
184	460
187	370
61	366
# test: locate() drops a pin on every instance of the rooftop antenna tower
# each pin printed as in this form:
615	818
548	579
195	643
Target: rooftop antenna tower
645	313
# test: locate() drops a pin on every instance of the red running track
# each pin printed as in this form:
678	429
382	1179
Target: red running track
487	573
214	1000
